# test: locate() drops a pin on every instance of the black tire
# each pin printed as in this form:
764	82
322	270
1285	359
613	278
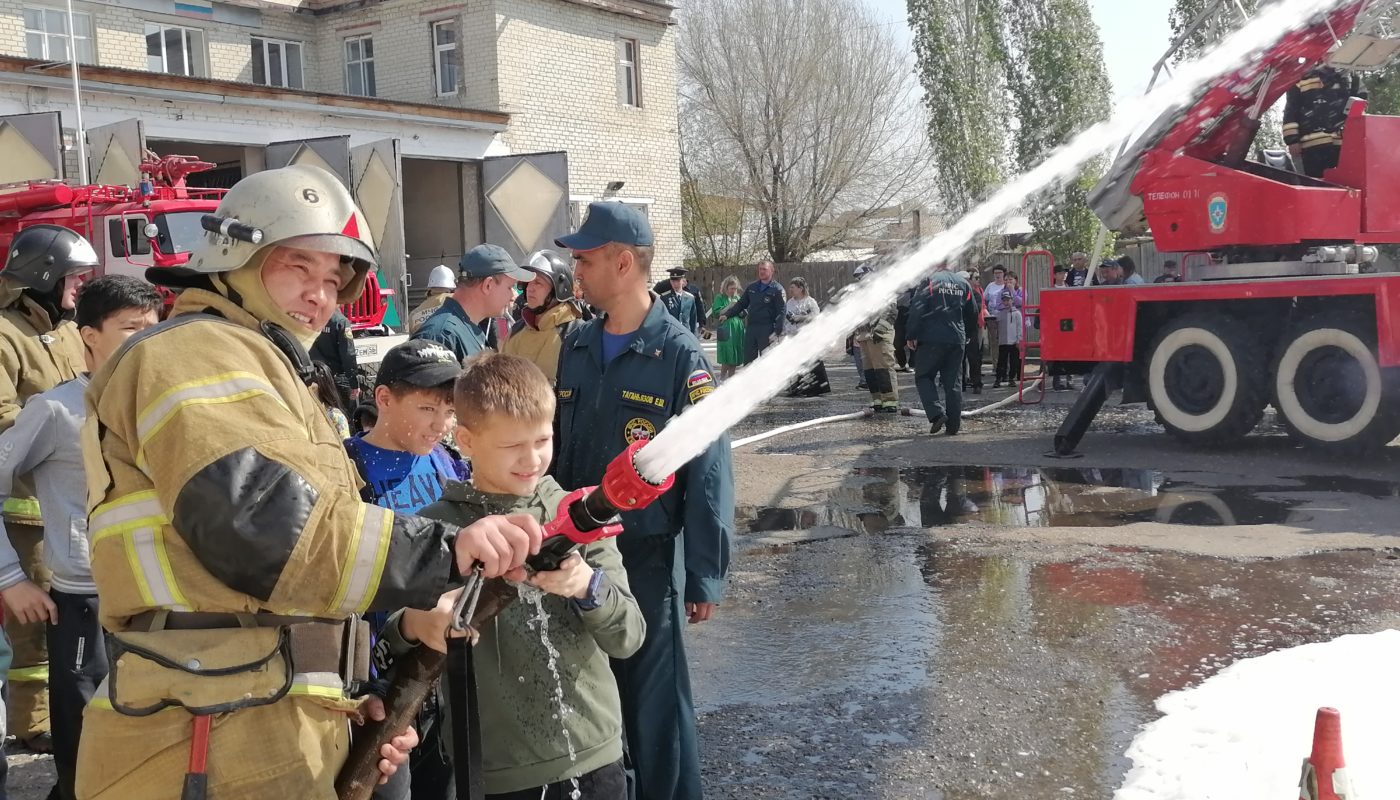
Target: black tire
1206	379
1329	388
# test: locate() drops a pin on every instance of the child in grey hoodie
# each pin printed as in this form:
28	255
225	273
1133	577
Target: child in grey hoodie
42	449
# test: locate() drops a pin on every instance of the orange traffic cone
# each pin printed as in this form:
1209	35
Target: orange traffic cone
1324	772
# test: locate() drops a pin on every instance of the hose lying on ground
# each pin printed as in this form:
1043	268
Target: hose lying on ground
908	412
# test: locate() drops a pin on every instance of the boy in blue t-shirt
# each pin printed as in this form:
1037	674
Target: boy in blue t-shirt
405	467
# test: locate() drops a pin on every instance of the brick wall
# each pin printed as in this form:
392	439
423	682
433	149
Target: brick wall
558	68
120	35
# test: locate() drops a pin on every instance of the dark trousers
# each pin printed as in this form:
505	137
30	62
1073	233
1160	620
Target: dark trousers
901	351
1009	363
756	340
658	713
77	664
935	366
972	360
1319	159
604	783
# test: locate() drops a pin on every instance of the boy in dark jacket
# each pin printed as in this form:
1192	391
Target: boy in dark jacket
532	747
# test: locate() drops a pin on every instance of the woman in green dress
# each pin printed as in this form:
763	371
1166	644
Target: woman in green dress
729	349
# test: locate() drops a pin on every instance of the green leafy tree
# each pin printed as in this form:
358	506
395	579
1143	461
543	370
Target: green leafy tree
1059	86
961	53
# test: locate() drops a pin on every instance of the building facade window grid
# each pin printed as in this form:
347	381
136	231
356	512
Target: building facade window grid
175	50
359	66
629	84
46	34
445	56
277	63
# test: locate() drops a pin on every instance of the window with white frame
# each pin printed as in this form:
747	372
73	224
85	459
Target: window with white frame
175	50
629	82
359	66
277	63
46	34
445	56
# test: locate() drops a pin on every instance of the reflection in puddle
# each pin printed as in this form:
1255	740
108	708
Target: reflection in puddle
1027	497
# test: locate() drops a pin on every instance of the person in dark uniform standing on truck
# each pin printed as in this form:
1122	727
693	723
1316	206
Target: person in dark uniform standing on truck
624	377
1313	117
766	304
335	348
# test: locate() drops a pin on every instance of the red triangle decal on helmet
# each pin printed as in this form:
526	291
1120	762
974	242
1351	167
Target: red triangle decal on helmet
352	228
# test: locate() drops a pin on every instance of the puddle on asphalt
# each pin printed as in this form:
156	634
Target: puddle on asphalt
992	655
1026	497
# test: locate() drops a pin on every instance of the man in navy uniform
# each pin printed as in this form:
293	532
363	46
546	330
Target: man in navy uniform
623	377
767	307
702	311
681	303
486	280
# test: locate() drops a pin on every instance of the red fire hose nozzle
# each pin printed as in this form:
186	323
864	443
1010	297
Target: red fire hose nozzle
624	486
589	514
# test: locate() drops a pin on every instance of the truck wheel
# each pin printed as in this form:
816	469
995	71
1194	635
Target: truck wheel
1329	388
1206	379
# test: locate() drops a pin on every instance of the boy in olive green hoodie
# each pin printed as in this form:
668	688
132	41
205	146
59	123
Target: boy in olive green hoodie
505	410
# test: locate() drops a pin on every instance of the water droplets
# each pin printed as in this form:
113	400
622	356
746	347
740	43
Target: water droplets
540	624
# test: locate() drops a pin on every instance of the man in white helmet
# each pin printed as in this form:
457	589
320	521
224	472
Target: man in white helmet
229	542
441	283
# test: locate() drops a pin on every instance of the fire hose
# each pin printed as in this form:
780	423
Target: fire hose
585	516
908	412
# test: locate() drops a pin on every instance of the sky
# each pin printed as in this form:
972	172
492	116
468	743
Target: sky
1135	34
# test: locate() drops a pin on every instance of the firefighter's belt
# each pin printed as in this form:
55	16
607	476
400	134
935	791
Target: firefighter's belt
214	663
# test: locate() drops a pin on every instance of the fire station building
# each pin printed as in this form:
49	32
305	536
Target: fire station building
453	121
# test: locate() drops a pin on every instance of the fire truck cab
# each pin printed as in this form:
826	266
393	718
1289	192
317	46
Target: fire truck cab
1282	306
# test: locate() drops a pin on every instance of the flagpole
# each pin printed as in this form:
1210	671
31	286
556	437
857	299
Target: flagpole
80	135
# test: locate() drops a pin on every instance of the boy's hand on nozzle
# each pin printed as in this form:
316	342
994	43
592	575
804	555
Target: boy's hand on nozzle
432	628
500	543
570	580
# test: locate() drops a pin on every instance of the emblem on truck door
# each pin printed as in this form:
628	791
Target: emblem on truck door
1217	209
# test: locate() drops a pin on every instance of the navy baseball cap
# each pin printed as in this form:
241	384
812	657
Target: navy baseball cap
420	363
606	223
486	260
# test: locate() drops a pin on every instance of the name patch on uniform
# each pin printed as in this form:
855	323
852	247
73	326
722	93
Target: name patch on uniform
699	392
698	378
565	394
643	398
638	429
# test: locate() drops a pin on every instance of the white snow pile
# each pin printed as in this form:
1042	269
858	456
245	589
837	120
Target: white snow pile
1244	733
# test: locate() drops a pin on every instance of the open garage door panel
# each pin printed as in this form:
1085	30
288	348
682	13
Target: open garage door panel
330	153
32	147
525	201
376	179
115	152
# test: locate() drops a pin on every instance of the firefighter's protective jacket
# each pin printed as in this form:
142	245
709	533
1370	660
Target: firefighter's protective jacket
218	485
879	328
35	356
539	337
1316	107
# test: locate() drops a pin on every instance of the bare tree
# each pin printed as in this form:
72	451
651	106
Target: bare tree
805	112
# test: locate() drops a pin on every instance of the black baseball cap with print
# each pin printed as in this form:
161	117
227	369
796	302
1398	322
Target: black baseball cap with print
416	362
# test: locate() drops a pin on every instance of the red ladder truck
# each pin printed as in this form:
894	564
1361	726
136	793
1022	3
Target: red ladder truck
1286	310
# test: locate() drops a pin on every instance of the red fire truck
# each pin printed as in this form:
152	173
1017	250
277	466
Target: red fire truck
1281	306
154	224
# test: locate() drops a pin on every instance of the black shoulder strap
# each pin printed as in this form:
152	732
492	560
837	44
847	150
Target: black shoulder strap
465	719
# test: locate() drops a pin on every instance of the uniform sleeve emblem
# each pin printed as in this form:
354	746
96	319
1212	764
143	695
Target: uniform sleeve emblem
638	429
699	392
699	377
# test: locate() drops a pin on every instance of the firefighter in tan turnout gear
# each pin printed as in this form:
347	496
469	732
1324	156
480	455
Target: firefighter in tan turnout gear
230	546
39	349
